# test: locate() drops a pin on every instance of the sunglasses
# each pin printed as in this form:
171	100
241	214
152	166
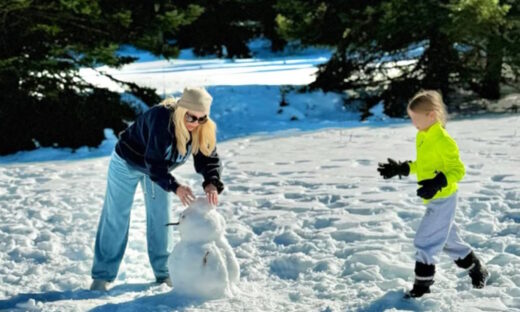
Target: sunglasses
191	119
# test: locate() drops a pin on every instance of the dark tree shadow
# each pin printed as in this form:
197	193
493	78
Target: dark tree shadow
165	301
80	294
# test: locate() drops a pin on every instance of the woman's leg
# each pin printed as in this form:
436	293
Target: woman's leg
159	236
112	233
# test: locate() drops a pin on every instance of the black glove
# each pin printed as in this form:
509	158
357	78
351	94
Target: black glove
430	187
215	181
393	168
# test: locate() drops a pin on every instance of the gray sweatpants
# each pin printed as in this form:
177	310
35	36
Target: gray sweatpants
438	231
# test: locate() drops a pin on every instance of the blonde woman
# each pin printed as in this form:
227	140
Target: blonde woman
159	141
438	168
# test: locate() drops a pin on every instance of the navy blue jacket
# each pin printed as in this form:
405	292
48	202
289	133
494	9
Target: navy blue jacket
150	146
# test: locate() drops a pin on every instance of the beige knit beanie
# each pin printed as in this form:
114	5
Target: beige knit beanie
195	99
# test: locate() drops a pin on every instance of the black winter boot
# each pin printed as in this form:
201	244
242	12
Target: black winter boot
476	270
418	290
424	274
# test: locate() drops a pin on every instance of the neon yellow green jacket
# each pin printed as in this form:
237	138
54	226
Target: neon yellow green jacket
437	152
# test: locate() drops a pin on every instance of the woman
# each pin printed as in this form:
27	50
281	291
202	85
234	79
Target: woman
159	141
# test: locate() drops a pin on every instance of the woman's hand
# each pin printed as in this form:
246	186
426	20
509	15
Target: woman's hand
211	194
185	194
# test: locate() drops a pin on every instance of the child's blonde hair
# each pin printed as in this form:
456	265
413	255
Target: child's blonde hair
426	101
204	136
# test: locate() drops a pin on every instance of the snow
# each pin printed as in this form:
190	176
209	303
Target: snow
170	76
313	226
203	265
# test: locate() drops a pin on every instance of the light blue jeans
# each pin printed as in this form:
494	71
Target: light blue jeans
112	232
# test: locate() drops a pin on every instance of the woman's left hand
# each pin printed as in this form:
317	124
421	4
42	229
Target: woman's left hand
211	194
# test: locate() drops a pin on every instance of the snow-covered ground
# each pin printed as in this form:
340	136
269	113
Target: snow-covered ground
312	224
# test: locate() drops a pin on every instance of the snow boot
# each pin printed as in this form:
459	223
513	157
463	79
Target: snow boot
424	274
476	270
100	285
165	280
417	291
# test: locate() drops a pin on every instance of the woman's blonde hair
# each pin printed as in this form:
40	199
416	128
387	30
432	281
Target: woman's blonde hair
204	137
426	101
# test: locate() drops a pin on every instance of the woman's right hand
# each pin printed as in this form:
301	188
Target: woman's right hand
185	195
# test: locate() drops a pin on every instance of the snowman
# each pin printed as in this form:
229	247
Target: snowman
203	264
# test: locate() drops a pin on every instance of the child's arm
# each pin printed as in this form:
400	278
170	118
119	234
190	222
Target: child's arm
453	167
413	166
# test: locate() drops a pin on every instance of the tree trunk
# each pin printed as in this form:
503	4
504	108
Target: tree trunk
440	62
491	82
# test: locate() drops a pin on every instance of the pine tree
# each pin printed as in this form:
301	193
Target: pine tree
43	44
226	26
388	50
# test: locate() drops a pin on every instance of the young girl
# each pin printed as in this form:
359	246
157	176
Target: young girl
438	169
159	141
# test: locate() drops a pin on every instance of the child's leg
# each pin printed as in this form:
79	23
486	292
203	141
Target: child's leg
465	258
455	247
434	229
430	239
476	269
